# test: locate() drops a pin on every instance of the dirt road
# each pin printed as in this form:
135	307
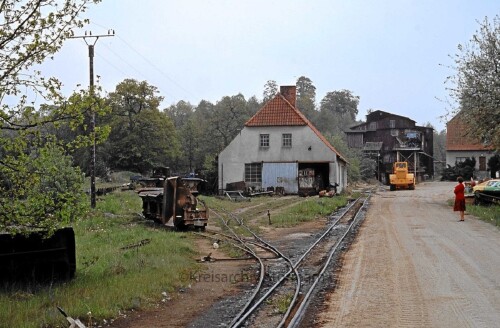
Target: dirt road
414	265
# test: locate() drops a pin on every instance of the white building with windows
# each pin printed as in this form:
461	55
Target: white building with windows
461	146
279	147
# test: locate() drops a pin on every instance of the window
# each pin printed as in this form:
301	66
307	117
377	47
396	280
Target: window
253	172
264	140
286	140
460	159
392	124
373	126
394	132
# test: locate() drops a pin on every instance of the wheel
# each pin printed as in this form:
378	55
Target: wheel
412	187
393	187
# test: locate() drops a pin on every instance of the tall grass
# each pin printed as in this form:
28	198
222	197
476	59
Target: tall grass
112	274
486	213
310	209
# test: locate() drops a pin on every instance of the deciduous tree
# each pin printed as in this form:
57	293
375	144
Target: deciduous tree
141	136
338	110
270	90
476	83
306	97
38	187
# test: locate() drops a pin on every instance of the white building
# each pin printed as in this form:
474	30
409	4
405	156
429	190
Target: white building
279	147
460	146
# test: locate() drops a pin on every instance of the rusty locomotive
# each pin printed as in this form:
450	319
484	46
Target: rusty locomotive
173	201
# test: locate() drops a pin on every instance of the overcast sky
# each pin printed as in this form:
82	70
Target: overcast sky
392	53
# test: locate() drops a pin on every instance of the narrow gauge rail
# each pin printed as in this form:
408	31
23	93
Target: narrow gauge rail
261	285
352	215
297	308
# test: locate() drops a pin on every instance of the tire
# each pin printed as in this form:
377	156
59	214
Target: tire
392	187
411	187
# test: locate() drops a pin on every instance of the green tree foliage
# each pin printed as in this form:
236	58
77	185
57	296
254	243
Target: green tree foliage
180	113
353	156
41	191
439	149
338	110
306	97
38	187
476	83
153	142
216	126
368	167
464	169
141	136
494	165
131	97
225	120
342	103
270	90
31	32
253	105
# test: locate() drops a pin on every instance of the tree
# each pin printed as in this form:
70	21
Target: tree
38	187
338	110
153	142
270	90
306	97
439	149
476	83
225	119
342	103
131	97
180	113
190	138
494	165
141	136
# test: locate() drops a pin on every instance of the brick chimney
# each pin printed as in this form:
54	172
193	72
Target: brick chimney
289	92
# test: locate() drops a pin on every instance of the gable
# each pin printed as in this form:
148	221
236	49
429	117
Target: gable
277	112
457	137
280	112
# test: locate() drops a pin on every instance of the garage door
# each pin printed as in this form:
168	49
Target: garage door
280	175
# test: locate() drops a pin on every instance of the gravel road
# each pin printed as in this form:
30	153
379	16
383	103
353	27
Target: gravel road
414	265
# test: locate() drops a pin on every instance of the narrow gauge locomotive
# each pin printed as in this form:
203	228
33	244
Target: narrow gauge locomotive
173	202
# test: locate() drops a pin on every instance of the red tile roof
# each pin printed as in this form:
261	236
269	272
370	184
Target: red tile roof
457	137
279	112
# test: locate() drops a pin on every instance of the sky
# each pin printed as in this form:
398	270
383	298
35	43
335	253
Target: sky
393	54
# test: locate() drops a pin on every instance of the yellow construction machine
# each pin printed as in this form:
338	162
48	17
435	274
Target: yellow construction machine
400	178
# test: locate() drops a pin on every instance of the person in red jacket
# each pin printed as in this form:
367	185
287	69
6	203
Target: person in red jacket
460	198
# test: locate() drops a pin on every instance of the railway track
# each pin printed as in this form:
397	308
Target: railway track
295	277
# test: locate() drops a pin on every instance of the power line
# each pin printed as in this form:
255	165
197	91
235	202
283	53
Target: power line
156	68
91	45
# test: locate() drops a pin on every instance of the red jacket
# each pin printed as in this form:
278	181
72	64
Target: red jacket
459	191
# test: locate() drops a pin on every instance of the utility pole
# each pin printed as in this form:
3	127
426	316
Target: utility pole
92	112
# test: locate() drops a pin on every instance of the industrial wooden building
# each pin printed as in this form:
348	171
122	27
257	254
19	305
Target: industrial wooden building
388	138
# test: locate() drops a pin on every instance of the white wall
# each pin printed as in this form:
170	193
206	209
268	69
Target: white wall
245	148
451	157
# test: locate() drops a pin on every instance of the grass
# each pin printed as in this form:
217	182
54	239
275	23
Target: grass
285	212
280	303
308	210
489	214
110	277
113	276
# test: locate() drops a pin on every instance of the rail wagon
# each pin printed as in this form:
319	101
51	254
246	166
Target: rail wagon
173	202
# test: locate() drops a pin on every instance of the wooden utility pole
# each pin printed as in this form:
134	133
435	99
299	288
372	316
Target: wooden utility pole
92	112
